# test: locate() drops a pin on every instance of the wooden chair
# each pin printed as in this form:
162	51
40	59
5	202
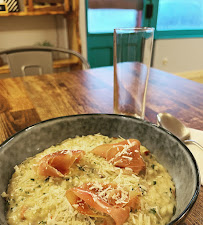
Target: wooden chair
29	60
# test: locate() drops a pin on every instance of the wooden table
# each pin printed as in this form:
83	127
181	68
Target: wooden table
28	100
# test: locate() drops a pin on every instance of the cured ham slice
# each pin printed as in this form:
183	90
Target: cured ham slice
96	200
125	154
58	163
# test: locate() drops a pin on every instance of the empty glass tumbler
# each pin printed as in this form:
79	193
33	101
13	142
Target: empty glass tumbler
132	60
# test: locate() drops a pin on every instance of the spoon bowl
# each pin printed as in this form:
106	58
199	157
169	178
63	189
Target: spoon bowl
176	127
172	124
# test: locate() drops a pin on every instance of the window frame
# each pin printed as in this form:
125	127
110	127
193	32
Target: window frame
166	34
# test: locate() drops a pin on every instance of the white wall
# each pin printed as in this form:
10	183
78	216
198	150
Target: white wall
178	55
30	30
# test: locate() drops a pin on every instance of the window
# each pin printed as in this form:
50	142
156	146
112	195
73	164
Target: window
175	18
180	15
106	20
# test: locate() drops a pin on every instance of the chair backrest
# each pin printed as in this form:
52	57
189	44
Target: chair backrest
31	60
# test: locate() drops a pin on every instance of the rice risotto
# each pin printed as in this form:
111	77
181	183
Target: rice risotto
34	199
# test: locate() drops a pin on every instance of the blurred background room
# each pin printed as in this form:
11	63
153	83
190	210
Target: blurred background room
86	26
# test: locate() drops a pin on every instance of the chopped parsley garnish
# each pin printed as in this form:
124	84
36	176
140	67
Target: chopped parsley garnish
32	179
152	166
154	182
142	190
174	210
42	222
152	210
47	179
81	168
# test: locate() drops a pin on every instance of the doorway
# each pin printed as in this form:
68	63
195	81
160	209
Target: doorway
102	17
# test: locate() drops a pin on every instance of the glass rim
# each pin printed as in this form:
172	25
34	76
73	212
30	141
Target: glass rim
135	29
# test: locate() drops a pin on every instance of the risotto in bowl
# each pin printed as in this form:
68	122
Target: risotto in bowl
96	169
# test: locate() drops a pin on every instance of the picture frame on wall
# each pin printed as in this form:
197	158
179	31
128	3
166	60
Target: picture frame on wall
11	5
3	7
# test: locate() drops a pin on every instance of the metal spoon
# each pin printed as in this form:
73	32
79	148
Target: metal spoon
176	127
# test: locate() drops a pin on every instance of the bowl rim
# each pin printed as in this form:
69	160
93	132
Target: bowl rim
198	183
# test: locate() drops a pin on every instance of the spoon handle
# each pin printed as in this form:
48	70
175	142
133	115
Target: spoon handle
194	142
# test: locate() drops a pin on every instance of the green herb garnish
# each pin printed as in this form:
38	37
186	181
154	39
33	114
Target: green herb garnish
81	168
152	166
47	179
152	210
174	210
42	222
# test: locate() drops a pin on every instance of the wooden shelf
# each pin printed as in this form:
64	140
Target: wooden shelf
4	69
31	8
34	13
70	10
61	63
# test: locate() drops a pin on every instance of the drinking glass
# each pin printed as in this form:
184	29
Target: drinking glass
132	60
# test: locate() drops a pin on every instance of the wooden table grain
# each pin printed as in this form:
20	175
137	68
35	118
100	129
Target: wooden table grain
27	100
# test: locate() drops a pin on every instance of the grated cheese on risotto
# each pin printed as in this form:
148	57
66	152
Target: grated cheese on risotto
34	199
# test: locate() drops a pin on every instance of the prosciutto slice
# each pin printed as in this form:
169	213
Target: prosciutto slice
58	163
96	200
123	154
